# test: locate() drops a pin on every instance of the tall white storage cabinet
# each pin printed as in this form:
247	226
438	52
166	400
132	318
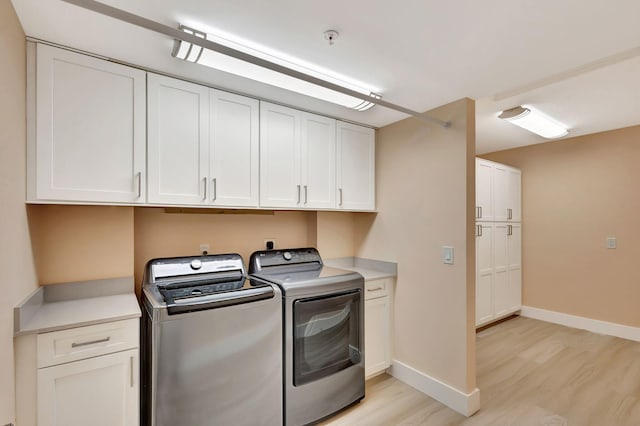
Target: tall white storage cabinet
498	241
87	129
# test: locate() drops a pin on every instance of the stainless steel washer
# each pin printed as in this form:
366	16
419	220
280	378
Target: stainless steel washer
211	343
323	332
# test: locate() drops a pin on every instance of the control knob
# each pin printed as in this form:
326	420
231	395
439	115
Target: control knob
287	255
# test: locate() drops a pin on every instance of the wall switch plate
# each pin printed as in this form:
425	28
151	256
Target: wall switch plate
612	242
447	255
204	248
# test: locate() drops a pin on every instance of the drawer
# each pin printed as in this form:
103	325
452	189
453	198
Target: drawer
376	288
78	343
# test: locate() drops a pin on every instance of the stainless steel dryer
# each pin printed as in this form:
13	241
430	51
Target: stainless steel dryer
323	331
211	344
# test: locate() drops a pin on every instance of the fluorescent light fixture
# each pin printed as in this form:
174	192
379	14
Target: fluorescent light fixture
534	121
192	53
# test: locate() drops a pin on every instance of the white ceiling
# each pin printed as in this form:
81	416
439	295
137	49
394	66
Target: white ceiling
576	60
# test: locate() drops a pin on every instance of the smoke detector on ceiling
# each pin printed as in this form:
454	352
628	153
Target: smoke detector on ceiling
331	36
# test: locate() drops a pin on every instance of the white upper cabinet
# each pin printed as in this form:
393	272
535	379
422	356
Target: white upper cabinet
297	159
234	149
279	156
89	122
318	162
203	145
178	141
355	167
498	192
105	133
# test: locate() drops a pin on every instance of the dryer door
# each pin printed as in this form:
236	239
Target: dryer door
327	335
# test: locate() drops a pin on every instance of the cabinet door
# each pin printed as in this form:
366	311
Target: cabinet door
514	197
355	167
178	141
318	167
501	303
279	156
234	145
501	192
484	272
484	190
514	267
100	391
376	335
90	129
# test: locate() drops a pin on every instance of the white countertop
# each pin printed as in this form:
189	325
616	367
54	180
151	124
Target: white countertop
42	312
369	269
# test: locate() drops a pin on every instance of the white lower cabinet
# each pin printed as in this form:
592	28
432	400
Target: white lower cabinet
498	270
100	391
377	326
89	375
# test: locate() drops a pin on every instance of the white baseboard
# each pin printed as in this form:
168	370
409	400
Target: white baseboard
463	403
596	326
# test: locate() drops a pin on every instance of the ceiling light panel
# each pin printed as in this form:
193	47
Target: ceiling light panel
534	121
189	52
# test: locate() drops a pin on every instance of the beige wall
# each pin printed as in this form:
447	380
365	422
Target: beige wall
17	272
160	234
424	177
77	243
335	234
576	193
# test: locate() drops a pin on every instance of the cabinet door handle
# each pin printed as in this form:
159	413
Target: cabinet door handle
214	183
298	194
131	369
139	183
92	342
204	180
480	212
340	192
510	230
374	289
305	194
510	213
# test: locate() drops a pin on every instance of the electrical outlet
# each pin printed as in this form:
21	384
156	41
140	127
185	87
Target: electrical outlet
612	242
204	248
269	243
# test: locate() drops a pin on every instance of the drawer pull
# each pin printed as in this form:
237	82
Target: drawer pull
92	342
374	289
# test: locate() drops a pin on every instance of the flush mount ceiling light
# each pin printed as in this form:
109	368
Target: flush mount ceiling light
534	121
209	45
194	53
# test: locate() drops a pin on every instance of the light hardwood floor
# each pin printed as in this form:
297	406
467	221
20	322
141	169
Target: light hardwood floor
529	373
